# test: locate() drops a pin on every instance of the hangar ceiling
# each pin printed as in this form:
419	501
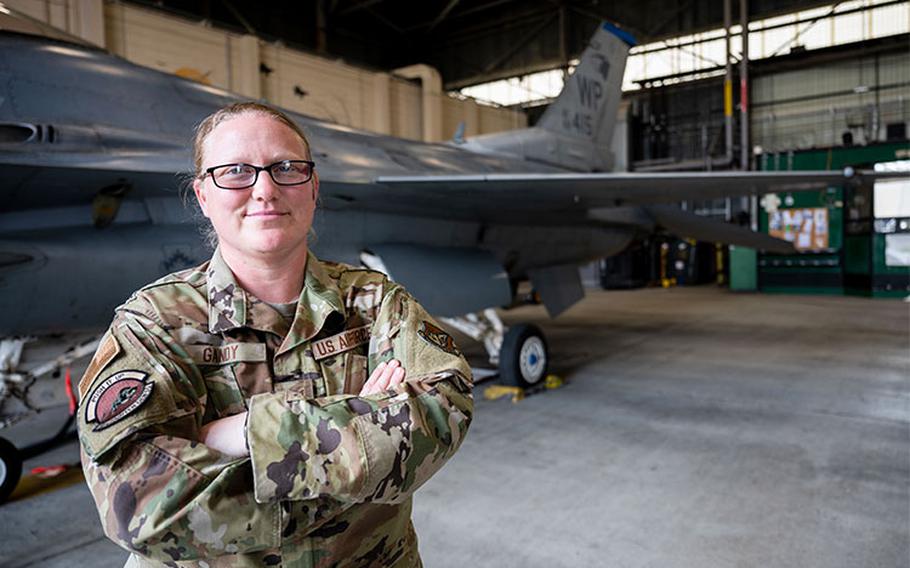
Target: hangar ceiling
469	41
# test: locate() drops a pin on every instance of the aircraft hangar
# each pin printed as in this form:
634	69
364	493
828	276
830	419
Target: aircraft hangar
670	237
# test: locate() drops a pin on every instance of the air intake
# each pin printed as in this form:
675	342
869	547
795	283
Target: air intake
18	133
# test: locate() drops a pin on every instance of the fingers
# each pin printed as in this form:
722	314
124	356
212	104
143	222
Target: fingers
367	387
391	370
370	385
383	376
386	375
397	377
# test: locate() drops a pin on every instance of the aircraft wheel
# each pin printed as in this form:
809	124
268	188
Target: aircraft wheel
523	358
10	468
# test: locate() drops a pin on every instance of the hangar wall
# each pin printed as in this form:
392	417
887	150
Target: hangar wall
813	107
299	81
800	101
80	18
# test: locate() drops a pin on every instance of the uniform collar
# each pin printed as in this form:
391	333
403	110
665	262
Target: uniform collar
231	307
318	299
227	300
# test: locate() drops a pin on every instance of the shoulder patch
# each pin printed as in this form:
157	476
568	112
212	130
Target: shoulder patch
106	352
437	338
116	397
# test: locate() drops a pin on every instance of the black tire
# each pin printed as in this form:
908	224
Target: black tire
10	468
524	357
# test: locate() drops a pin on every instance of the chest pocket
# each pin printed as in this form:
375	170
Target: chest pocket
342	358
231	373
346	372
224	396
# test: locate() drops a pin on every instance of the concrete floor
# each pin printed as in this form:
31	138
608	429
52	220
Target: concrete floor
698	428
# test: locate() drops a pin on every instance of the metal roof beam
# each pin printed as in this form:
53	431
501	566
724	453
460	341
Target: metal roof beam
442	15
359	6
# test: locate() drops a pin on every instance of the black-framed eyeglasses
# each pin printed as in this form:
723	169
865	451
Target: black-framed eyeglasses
242	176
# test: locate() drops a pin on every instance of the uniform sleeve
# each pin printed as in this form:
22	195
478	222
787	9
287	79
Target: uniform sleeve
378	448
159	491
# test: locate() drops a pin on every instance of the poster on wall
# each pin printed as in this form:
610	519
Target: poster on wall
806	228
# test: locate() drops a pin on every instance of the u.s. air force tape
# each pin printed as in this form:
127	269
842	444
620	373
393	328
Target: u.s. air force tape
347	339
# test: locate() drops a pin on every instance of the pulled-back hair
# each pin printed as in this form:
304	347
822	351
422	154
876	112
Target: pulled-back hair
233	110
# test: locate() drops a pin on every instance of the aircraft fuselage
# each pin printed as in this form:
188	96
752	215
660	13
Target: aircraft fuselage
75	120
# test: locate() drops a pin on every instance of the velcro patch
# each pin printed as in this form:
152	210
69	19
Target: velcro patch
437	338
116	397
106	352
347	339
228	353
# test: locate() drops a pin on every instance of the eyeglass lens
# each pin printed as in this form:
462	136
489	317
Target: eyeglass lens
239	176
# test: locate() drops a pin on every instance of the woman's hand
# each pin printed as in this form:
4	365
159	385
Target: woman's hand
226	435
385	376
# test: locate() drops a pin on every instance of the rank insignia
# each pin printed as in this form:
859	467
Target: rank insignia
437	338
108	349
116	397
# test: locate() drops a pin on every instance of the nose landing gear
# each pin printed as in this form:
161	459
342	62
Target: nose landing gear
524	358
520	353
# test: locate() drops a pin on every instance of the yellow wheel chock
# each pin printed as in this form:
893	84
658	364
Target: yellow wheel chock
494	392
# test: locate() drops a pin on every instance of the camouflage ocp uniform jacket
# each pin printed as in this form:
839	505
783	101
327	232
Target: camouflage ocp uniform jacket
330	474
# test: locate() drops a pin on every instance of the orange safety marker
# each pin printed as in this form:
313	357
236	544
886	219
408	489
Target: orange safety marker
69	391
46	472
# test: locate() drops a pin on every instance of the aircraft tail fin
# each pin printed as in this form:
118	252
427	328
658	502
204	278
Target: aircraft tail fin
458	138
576	130
586	107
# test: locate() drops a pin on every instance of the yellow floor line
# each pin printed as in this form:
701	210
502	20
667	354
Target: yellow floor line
31	485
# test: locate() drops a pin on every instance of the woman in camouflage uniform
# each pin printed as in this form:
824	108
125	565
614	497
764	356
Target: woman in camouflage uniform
267	408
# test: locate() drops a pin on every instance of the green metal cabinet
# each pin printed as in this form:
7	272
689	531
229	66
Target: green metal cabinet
743	269
854	260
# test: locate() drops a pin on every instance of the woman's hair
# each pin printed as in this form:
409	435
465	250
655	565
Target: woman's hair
202	132
233	110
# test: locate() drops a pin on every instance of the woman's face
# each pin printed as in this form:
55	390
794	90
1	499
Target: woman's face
266	218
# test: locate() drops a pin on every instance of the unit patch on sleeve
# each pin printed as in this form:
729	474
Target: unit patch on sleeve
347	339
437	337
116	397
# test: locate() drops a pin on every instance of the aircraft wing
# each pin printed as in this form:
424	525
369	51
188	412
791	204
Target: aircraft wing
632	199
572	191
